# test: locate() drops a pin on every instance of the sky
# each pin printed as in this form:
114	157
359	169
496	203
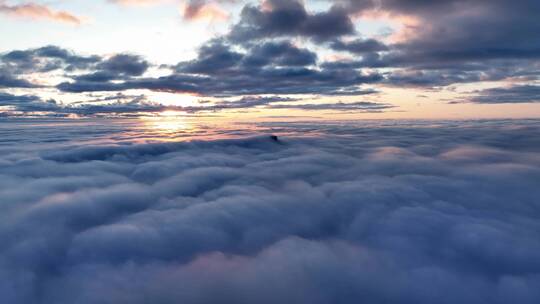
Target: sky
269	151
339	59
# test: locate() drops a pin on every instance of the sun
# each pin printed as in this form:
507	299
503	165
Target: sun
171	113
167	123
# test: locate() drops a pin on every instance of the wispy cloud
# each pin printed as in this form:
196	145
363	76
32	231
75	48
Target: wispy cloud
138	2
197	10
38	11
190	9
513	94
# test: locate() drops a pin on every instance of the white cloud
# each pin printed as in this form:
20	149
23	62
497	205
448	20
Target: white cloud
410	213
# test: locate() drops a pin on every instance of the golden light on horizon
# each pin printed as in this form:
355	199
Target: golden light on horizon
171	113
167	122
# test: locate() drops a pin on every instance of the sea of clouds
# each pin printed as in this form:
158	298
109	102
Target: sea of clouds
379	212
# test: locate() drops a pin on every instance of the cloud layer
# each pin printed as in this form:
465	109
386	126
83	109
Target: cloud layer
513	94
314	48
413	212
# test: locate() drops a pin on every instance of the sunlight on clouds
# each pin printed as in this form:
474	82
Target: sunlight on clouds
366	212
210	12
167	122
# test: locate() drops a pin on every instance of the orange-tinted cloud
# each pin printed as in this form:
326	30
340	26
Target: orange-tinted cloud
138	2
406	26
190	9
37	11
199	10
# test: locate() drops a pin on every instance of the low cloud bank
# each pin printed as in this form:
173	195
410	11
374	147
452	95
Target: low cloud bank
441	212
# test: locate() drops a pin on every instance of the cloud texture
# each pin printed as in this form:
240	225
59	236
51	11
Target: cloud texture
312	47
38	11
374	212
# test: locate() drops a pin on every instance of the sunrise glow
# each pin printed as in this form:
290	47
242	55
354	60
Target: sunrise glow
270	152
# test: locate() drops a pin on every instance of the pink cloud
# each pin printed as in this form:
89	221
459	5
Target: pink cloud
190	9
199	10
138	2
37	11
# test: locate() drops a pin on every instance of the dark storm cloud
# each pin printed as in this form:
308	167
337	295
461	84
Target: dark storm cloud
359	46
120	66
212	57
28	103
242	103
361	106
279	54
123	105
142	105
45	59
8	99
279	66
125	64
289	19
457	30
368	212
405	6
451	42
7	80
53	58
117	104
451	37
434	78
269	68
218	57
289	103
136	105
439	73
514	94
269	81
96	77
487	44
